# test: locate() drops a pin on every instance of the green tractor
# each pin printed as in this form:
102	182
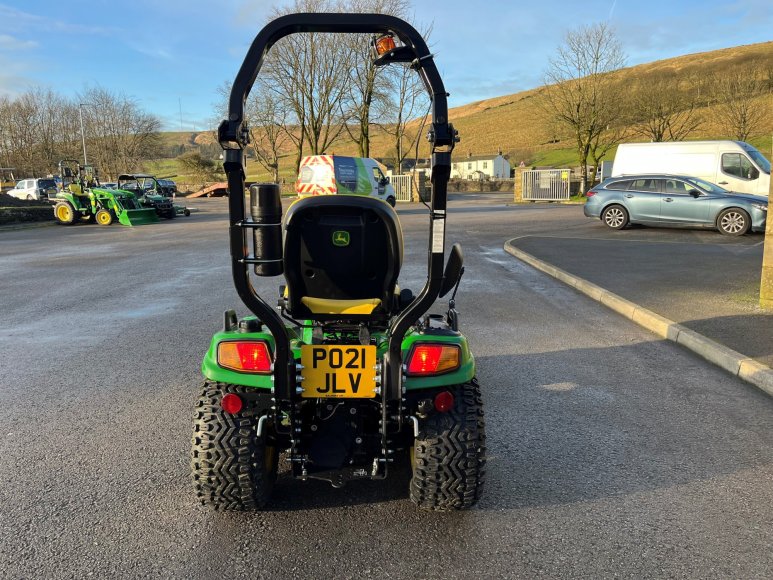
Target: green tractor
151	194
350	376
81	198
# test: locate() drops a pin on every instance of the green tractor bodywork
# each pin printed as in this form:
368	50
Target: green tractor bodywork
213	371
82	198
151	194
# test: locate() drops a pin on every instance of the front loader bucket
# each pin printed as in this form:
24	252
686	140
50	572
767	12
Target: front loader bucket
137	217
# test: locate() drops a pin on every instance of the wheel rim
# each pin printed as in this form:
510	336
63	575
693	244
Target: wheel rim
733	222
63	213
614	218
103	218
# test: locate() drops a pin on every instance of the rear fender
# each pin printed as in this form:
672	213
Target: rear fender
214	372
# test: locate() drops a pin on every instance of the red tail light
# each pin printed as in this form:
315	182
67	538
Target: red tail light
591	193
244	356
433	359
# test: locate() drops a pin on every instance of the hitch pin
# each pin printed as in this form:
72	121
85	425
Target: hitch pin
261	421
413	419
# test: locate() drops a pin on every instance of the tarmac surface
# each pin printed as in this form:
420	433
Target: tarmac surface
710	286
611	452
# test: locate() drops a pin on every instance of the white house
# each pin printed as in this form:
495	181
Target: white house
480	167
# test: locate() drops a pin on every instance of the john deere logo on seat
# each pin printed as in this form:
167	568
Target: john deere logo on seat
340	238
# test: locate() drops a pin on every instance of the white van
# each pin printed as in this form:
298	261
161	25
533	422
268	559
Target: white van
734	165
332	174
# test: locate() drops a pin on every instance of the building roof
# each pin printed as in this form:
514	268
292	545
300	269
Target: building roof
475	158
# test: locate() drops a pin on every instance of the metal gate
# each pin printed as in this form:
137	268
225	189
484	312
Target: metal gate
402	185
545	184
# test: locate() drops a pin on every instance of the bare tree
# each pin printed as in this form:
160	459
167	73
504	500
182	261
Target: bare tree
739	113
577	93
119	135
367	84
268	127
309	72
266	117
664	108
408	100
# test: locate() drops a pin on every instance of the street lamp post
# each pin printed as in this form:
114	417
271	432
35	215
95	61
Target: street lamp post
83	135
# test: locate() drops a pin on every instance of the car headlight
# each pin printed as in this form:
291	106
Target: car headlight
761	206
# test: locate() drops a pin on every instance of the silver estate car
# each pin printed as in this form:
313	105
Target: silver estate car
674	201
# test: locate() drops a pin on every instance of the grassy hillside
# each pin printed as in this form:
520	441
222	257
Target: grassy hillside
516	124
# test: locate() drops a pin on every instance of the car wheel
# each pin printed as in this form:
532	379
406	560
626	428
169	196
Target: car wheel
391	200
615	217
29	197
733	222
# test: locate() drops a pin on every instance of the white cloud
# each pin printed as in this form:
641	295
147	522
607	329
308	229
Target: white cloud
8	42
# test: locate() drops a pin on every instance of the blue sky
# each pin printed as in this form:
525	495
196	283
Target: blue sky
173	54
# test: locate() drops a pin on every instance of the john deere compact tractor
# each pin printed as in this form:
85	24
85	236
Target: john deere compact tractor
350	372
151	194
82	198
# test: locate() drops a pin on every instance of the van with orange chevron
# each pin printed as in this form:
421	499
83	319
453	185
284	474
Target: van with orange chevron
332	174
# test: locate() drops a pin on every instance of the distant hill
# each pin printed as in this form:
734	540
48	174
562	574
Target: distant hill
516	125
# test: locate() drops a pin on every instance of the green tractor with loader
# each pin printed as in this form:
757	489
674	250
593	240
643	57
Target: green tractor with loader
81	198
350	374
151	194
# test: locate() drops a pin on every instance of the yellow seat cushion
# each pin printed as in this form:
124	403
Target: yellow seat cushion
330	306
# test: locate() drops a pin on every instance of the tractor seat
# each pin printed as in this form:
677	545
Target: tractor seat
76	189
342	257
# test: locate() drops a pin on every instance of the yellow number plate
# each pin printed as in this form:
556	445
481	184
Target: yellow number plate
338	371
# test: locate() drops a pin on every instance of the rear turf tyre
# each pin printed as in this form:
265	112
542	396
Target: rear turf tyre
232	468
65	213
615	217
733	222
104	217
449	455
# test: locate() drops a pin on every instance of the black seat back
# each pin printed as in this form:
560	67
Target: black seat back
341	247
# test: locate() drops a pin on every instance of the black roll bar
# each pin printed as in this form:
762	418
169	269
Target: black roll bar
233	136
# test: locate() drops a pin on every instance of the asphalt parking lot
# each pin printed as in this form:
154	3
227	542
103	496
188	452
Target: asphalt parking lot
611	452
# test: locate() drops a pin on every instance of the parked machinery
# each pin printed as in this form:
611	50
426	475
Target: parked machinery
81	198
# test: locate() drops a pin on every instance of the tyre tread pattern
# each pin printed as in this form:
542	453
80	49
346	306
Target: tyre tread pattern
227	456
450	454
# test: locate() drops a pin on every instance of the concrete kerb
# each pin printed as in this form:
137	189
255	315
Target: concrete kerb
740	365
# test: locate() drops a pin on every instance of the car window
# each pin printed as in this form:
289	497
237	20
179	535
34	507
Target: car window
307	174
619	185
706	185
46	183
737	165
763	163
648	184
377	174
676	186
